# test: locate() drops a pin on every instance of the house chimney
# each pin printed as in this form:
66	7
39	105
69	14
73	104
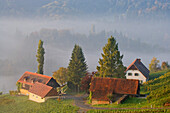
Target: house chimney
139	60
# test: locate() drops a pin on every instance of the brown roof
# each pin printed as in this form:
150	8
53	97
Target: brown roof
42	90
30	78
140	66
101	87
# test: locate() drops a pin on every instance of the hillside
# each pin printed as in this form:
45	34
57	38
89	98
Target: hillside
159	90
61	8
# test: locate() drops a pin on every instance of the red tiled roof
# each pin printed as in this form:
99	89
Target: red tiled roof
101	87
29	77
140	66
42	90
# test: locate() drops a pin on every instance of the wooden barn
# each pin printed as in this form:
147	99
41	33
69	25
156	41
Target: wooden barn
40	92
28	79
101	88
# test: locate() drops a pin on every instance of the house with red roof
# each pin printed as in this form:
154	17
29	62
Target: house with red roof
101	88
28	79
40	92
137	70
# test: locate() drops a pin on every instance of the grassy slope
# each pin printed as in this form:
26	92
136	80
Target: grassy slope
152	76
21	104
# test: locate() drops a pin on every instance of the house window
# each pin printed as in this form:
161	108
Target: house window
129	74
136	74
32	95
36	96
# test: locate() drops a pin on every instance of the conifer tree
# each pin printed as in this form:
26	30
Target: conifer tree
40	57
77	67
111	64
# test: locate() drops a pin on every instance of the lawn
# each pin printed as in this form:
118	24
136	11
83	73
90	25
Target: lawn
131	102
21	104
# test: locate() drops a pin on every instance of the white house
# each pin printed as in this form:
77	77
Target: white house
137	70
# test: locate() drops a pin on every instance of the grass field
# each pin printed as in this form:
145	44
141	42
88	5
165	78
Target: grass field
131	102
21	104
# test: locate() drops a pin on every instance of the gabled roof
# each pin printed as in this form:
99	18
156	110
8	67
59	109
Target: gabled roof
101	87
30	78
140	66
42	90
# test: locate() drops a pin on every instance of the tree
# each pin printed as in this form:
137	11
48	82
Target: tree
164	66
77	67
111	64
154	65
61	75
40	57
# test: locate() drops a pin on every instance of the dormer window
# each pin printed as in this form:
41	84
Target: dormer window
33	80
26	78
129	74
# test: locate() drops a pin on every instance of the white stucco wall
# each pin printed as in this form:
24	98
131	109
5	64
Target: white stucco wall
36	98
140	77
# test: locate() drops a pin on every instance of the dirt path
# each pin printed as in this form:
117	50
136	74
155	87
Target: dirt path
81	103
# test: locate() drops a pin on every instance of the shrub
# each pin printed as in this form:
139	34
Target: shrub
13	92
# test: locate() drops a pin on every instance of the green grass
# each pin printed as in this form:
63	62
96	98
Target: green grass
131	111
21	104
131	102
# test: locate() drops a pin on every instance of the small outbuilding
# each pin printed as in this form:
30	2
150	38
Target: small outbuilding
102	88
137	70
40	92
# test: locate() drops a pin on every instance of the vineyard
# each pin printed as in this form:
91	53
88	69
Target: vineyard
152	76
159	90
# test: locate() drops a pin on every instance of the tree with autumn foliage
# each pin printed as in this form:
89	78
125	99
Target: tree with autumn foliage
111	64
164	66
85	82
154	65
40	57
61	75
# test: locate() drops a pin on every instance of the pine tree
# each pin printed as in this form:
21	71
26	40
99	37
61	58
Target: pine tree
77	67
111	64
40	57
